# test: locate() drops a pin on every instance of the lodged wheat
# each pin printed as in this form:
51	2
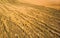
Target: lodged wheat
23	20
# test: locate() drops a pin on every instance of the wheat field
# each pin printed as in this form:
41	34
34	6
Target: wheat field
25	20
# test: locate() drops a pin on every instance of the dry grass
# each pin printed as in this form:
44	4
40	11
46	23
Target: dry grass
23	20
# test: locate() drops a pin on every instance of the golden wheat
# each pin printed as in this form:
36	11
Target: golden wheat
23	20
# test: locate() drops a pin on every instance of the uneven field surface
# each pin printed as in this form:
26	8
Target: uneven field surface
23	20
